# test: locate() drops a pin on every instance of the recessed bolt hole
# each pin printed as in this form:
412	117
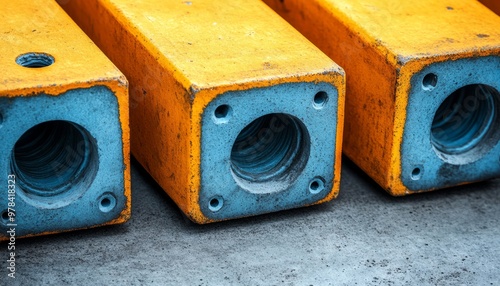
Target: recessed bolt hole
317	185
215	204
430	81
416	174
320	100
222	113
35	60
107	203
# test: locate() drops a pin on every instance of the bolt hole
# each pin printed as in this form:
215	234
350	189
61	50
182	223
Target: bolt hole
222	114
35	60
215	204
430	81
107	203
320	100
317	185
416	174
5	216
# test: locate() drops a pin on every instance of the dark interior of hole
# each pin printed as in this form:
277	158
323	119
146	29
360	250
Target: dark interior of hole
214	203
105	202
315	185
5	215
35	60
221	111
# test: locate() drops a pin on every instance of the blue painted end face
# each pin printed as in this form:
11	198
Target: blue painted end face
268	149
63	156
452	130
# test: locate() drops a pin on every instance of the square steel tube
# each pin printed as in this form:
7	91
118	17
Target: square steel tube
64	152
423	82
233	112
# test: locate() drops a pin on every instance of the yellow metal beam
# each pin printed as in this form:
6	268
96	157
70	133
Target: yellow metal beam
200	71
403	59
63	125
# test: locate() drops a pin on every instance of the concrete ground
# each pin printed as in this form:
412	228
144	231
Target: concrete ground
365	237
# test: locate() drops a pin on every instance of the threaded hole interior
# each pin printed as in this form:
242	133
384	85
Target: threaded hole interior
274	147
466	121
53	156
35	60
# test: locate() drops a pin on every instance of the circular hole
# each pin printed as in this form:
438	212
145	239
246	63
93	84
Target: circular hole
320	99
107	203
466	126
314	185
270	153
430	81
317	185
215	204
415	174
5	216
222	113
53	157
35	60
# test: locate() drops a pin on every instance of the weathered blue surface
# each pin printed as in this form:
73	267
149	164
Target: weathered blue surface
79	205
476	162
261	188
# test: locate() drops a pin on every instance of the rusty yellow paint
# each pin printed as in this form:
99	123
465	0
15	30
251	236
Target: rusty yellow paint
493	5
179	56
381	44
42	26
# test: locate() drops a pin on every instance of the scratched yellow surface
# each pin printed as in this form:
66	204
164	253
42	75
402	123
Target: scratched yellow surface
381	44
179	56
42	26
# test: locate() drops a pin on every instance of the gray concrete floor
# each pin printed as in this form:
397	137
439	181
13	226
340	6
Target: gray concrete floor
365	237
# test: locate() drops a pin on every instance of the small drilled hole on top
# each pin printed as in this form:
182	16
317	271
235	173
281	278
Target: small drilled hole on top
416	174
320	99
35	60
430	81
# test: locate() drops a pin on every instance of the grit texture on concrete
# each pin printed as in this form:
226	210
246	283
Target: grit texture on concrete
365	237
